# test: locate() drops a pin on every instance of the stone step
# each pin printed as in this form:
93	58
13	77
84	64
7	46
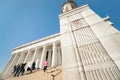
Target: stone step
41	75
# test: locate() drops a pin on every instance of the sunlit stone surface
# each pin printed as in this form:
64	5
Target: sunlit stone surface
87	47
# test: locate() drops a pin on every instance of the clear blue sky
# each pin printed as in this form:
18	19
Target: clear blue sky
23	21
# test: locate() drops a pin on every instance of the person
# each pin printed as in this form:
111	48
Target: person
32	67
45	65
22	69
28	68
15	68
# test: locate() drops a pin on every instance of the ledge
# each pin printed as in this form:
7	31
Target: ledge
37	41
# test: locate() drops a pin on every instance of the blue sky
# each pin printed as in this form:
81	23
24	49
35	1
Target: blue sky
23	21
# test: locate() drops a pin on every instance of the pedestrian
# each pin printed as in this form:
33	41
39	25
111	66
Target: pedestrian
45	65
15	67
22	69
17	70
32	67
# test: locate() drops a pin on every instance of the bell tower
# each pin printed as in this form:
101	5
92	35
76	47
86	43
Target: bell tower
90	44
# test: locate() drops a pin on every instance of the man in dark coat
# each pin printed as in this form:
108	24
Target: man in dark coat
32	67
22	69
17	70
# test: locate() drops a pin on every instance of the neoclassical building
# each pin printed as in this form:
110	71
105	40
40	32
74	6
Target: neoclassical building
87	47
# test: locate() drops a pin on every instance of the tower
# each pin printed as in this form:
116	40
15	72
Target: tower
90	44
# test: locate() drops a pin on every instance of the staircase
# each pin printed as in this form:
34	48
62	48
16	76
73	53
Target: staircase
50	74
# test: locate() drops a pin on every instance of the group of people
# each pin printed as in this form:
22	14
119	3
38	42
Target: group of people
20	68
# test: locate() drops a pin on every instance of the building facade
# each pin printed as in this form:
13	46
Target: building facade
87	47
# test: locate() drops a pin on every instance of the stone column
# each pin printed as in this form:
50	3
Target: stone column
34	57
49	58
43	57
59	57
38	58
27	56
8	71
21	56
26	60
53	55
35	54
6	67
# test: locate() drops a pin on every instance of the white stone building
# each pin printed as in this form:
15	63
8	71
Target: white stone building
87	47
